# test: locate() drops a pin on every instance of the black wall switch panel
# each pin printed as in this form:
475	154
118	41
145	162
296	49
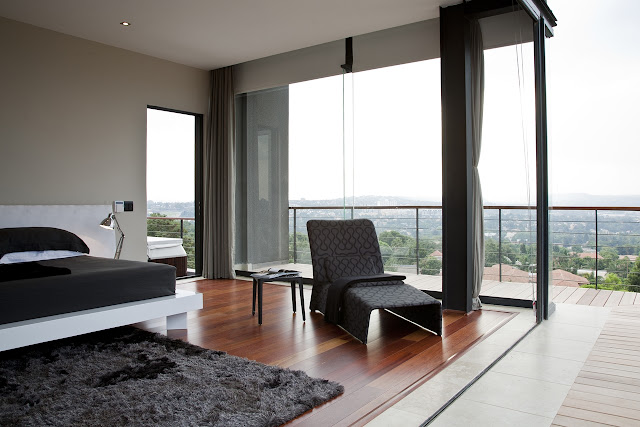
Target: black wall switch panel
128	205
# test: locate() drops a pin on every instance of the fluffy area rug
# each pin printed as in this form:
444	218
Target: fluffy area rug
127	376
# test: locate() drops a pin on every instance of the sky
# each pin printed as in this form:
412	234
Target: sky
170	156
392	144
593	64
392	123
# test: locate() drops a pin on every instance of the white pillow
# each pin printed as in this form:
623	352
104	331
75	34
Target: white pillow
16	257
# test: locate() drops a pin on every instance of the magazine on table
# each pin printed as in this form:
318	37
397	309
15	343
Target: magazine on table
273	273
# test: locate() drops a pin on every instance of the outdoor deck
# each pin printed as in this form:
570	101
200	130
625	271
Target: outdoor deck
606	391
561	294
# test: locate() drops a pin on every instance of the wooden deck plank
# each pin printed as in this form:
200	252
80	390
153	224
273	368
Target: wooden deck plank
611	401
575	297
526	294
614	299
601	298
566	293
633	414
488	284
596	417
562	421
607	389
610	383
557	290
588	297
628	298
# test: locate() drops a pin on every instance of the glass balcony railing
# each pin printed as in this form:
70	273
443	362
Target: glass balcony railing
591	246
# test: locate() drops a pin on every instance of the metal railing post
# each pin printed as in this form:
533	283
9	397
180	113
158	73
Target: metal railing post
295	238
500	245
181	228
417	242
596	274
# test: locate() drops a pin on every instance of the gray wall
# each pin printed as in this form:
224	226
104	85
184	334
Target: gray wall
73	121
419	41
400	45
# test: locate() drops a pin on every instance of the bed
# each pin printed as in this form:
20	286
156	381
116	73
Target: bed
43	300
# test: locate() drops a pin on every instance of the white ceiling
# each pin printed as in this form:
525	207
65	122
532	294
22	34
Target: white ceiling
209	34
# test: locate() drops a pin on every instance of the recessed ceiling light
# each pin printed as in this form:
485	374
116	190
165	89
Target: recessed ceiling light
125	23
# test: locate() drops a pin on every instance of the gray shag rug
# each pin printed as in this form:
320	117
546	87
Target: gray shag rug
127	376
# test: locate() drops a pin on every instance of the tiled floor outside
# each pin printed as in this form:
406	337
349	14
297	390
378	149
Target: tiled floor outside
526	388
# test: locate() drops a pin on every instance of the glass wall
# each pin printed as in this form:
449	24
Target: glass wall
366	139
507	164
382	152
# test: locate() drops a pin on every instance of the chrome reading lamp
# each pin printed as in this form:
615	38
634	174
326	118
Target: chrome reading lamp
110	222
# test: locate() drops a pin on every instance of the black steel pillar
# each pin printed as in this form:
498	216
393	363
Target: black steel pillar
457	213
544	304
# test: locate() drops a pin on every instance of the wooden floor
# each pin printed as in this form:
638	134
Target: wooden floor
607	390
561	294
398	358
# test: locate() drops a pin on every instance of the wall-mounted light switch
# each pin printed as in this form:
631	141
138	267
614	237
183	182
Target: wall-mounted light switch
128	205
118	206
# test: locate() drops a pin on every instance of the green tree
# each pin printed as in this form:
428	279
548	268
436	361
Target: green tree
403	248
386	251
430	265
162	227
396	239
303	253
612	279
634	276
391	264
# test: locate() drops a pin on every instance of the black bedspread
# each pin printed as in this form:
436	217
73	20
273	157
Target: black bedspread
94	282
29	270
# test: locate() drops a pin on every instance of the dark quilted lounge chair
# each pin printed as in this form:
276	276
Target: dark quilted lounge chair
349	281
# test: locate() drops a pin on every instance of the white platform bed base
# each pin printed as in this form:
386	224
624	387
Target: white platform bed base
28	332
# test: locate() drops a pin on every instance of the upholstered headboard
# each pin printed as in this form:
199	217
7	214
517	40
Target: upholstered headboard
82	220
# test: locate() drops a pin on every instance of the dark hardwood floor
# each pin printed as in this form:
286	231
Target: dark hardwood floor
398	358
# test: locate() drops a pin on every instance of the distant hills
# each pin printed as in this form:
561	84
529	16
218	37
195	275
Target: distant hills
186	209
569	199
582	199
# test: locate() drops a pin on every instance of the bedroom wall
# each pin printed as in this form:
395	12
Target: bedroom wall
73	121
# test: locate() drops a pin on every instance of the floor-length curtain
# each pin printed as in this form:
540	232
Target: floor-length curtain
477	101
219	179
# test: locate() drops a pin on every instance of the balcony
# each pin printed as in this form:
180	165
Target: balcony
594	249
176	227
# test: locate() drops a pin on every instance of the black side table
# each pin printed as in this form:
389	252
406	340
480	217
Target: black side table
257	284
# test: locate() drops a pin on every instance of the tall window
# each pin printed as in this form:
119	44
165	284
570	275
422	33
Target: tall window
395	156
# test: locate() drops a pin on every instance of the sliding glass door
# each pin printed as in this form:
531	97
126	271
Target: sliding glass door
174	170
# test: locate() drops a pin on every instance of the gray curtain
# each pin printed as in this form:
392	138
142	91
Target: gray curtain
262	179
477	101
219	179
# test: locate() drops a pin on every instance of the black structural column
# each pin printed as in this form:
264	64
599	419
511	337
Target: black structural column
545	305
457	214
